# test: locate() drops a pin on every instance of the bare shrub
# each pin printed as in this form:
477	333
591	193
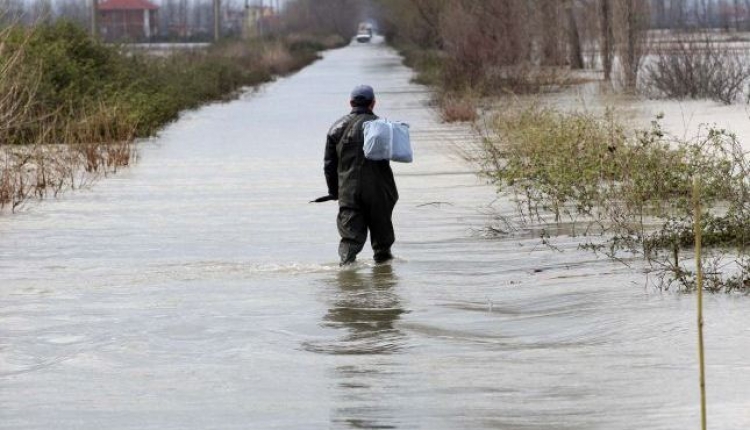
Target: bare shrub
490	47
454	108
276	57
40	171
697	67
87	150
102	138
468	50
486	47
412	22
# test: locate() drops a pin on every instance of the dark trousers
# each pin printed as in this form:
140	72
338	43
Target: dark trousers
353	226
372	213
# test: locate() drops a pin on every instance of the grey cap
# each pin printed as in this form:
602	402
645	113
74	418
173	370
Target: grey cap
363	92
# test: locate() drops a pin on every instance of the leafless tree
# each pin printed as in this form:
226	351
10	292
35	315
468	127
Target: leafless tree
324	16
631	23
589	28
551	32
413	22
607	37
430	12
574	39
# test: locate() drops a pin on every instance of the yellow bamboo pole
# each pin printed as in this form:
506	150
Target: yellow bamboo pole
699	269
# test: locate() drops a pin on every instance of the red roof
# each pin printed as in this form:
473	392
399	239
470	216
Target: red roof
127	5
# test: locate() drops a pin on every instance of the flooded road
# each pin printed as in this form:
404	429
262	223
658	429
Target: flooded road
200	290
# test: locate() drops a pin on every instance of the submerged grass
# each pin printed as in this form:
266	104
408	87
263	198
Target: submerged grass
634	189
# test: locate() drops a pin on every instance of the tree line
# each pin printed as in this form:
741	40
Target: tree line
724	14
192	20
482	41
486	44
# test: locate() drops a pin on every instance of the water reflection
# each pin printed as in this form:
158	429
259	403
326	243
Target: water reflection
364	305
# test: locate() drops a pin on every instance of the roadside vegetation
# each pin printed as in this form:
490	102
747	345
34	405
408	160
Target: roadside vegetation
623	192
471	49
71	106
626	194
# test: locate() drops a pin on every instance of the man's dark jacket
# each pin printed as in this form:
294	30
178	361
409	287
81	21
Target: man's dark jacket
350	176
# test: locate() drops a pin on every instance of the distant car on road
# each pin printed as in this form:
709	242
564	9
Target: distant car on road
364	33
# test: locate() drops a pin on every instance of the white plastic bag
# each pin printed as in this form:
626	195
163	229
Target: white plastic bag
378	140
401	143
386	140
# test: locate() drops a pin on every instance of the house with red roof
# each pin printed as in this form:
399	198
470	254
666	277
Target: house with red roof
131	20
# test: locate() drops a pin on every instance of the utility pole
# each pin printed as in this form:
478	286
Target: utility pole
217	20
95	18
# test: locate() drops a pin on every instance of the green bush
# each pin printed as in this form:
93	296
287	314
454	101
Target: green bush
74	76
58	85
630	194
72	65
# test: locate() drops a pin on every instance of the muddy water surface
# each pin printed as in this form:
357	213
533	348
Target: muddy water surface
200	290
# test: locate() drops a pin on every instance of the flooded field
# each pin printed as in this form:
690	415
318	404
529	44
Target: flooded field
683	119
200	290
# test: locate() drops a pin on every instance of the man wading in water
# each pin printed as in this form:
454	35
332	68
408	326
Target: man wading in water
365	189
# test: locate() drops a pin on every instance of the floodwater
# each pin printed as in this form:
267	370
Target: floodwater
200	290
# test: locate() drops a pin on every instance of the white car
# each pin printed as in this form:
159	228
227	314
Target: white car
364	37
364	33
